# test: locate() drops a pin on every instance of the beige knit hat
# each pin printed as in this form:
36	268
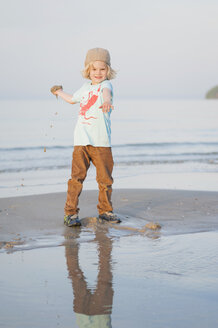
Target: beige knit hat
98	54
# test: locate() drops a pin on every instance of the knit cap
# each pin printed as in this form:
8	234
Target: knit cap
98	54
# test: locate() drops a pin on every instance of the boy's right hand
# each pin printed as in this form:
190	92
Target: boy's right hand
55	88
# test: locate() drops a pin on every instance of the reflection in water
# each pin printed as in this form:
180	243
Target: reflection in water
92	308
158	283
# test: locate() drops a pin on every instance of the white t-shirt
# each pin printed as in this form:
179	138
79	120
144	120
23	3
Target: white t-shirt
93	126
93	321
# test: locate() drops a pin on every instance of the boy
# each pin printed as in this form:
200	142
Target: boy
92	136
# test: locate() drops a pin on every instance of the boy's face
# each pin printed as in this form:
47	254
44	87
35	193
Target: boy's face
98	72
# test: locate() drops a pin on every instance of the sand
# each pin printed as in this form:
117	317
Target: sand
72	277
177	212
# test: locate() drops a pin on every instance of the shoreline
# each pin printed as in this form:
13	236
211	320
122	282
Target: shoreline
16	185
28	219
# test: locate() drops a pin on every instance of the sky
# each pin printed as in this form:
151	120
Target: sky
160	49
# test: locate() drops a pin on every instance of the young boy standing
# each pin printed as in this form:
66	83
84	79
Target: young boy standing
92	136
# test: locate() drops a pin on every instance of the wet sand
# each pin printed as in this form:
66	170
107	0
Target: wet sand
178	212
99	276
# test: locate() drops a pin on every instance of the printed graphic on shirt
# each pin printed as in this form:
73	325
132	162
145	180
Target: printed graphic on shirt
86	103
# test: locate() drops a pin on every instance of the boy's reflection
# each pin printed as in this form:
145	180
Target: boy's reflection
92	309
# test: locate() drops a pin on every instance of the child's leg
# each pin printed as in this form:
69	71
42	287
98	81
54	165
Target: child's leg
103	160
80	165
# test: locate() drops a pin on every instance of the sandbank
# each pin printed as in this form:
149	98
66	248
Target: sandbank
30	218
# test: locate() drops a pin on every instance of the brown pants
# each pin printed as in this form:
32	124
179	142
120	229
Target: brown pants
102	158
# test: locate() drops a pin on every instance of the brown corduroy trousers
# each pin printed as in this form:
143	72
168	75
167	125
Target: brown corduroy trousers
102	159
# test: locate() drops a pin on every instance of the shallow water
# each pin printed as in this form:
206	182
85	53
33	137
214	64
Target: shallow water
108	278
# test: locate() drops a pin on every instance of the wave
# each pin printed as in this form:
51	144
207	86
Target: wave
150	162
169	154
167	144
36	168
12	149
128	145
58	157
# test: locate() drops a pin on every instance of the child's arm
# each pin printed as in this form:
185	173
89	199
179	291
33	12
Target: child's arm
107	104
65	96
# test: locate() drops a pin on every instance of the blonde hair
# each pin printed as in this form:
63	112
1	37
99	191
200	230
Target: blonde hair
111	73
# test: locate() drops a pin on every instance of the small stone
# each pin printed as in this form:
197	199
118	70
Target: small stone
8	245
153	226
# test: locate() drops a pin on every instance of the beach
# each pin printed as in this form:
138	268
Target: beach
77	276
158	268
178	212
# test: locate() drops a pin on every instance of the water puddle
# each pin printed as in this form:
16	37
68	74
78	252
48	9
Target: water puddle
97	278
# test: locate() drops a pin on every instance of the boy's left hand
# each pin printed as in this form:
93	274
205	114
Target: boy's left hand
106	107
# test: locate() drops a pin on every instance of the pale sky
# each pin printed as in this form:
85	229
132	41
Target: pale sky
160	48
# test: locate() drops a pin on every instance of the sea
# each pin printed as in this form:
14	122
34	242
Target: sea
165	144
